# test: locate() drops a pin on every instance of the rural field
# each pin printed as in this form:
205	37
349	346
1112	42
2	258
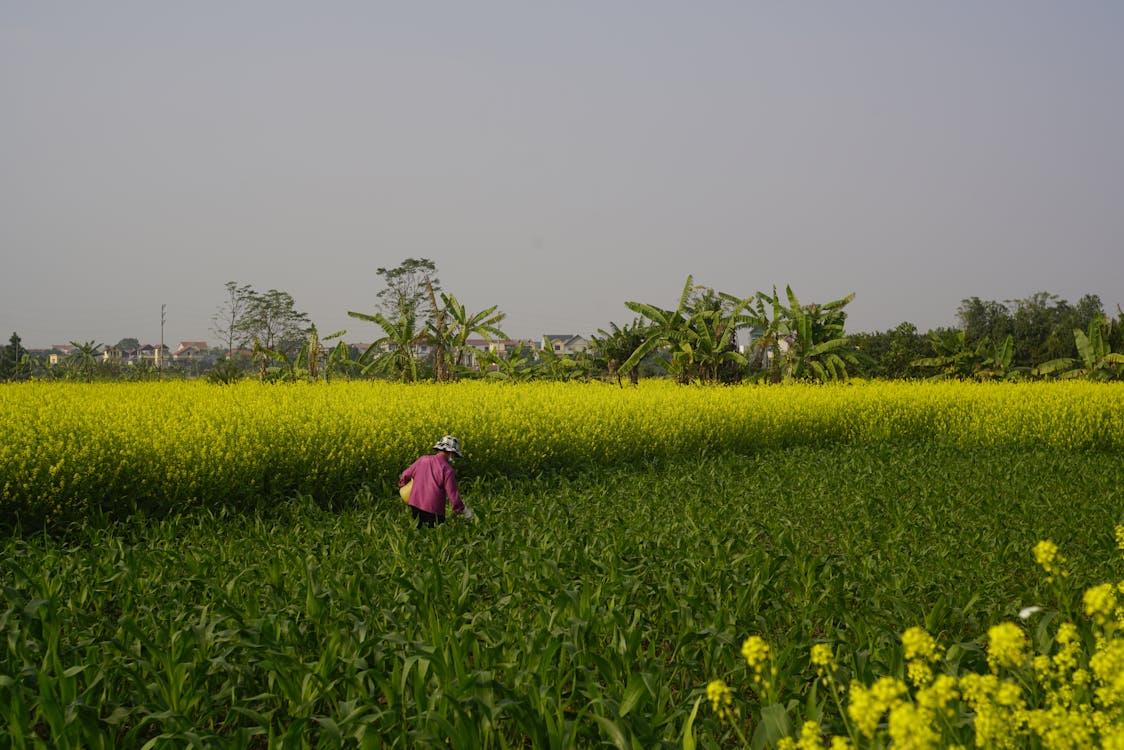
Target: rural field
864	565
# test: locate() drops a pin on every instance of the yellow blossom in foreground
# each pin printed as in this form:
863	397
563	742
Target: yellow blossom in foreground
911	728
1107	665
1000	713
1006	645
810	739
721	699
1100	602
918	644
867	705
756	652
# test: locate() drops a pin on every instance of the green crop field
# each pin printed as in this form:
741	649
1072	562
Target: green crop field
662	567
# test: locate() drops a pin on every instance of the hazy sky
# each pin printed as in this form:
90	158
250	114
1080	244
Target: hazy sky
553	158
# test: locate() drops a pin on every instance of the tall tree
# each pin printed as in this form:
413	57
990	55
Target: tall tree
227	322
13	358
983	318
406	287
272	321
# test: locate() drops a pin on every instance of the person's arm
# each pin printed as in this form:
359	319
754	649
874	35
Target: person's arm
451	490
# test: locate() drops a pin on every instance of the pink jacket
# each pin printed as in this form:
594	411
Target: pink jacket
434	480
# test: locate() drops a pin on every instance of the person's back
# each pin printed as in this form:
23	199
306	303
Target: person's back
434	482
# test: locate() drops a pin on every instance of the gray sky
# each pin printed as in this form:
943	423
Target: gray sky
555	159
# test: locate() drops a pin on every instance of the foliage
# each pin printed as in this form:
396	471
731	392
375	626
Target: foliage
15	362
1054	680
463	326
406	286
393	353
271	323
890	354
1096	359
1039	324
583	607
228	322
610	349
696	339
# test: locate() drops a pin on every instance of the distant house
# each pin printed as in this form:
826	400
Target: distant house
59	352
190	351
113	354
565	343
153	354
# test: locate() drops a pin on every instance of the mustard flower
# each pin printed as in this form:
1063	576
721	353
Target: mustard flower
867	705
721	699
919	644
1062	729
822	656
1100	602
1046	555
996	725
756	652
1107	665
938	695
1120	538
810	737
1006	645
911	728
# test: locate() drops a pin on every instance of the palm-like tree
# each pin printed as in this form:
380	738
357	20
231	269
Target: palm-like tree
819	348
698	337
1096	360
394	352
613	347
83	360
464	325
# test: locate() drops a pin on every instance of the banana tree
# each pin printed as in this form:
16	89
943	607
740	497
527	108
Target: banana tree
669	331
817	348
515	366
610	348
464	326
994	360
82	362
393	353
698	338
1096	360
955	358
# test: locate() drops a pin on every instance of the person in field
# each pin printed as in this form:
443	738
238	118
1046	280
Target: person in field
434	482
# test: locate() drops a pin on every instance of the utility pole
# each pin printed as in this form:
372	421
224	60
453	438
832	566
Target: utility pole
160	352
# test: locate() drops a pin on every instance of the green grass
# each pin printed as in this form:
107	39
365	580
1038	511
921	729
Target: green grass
578	609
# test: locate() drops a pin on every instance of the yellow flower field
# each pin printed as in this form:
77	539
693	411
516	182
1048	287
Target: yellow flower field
67	447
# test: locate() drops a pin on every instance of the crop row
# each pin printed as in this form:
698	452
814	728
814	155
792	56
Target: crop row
69	450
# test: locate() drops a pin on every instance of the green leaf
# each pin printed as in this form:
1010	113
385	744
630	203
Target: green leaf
689	726
632	694
773	727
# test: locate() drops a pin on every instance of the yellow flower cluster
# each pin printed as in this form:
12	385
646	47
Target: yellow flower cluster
1066	698
721	699
1046	555
1006	646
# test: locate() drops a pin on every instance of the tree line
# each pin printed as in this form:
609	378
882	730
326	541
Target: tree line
707	337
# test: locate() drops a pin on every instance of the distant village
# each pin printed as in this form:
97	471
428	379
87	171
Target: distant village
197	355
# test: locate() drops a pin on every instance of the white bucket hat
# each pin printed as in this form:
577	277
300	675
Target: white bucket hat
449	444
